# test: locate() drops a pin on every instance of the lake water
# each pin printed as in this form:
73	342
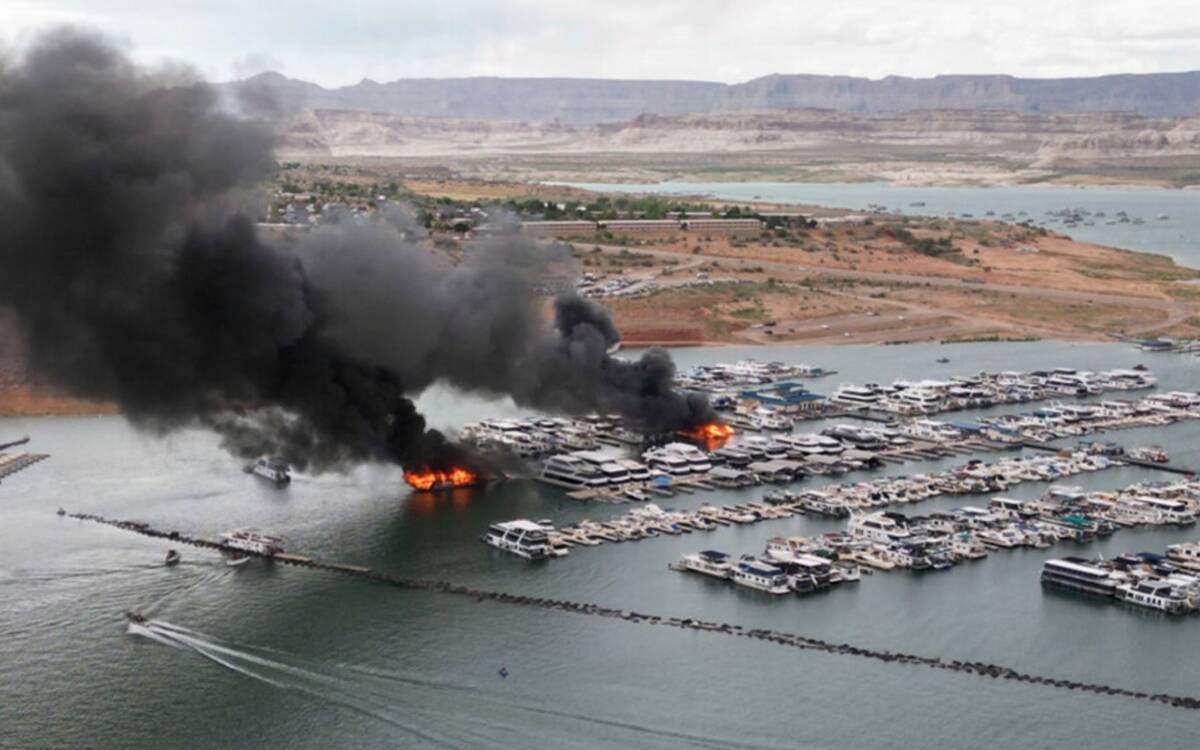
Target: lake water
1175	236
302	659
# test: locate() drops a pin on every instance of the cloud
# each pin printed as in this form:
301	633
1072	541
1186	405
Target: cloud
336	44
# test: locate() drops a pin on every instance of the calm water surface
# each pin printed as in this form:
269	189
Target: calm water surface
1175	236
302	659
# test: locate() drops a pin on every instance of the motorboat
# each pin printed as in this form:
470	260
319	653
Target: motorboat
572	471
1159	595
237	559
252	541
708	562
521	537
273	470
878	527
761	576
1079	575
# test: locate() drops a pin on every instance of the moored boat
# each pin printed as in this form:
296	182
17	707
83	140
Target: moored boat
1079	575
1159	595
708	562
761	576
521	537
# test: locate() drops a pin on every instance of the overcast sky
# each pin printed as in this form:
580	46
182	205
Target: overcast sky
336	43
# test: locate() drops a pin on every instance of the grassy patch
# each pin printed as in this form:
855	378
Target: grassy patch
1180	291
749	313
993	337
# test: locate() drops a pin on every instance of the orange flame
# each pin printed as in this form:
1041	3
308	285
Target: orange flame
709	431
436	480
711	435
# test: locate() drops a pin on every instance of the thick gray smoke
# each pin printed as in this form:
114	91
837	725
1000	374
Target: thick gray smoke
128	255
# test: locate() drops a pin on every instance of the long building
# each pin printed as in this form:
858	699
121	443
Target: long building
559	228
739	227
641	227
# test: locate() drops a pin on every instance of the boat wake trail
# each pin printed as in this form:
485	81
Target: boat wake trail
373	692
282	675
209	574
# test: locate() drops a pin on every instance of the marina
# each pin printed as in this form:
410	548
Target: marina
889	541
751	460
841	500
357	520
926	397
745	373
375	425
766	635
597	458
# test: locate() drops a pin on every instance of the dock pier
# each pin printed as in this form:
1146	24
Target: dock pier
1129	460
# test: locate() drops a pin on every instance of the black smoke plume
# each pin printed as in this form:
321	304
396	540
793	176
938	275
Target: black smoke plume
130	260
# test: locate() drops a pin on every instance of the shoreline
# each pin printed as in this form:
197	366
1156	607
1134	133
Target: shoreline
66	407
1063	185
25	401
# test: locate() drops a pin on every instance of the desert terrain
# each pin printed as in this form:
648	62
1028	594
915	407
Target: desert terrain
939	147
857	283
21	394
836	277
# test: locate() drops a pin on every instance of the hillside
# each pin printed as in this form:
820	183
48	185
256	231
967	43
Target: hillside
919	147
584	101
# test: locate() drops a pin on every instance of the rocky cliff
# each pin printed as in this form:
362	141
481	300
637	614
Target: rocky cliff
590	101
342	132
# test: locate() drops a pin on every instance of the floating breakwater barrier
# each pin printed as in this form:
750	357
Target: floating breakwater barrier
981	669
11	463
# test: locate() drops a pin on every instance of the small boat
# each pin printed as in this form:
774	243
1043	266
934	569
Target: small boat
250	540
943	360
844	573
173	558
1151	453
272	469
135	617
237	558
